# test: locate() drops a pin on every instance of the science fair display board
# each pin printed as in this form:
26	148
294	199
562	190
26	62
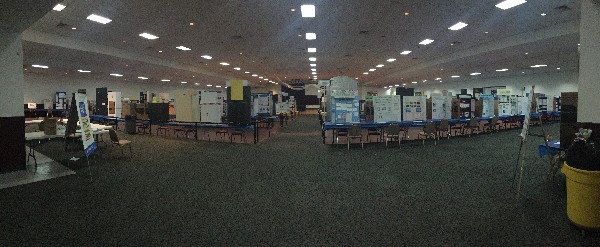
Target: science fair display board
238	102
187	108
414	108
115	105
387	108
523	105
464	105
343	100
441	107
262	104
211	106
488	105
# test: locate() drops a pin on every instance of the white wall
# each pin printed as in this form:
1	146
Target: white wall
11	75
551	84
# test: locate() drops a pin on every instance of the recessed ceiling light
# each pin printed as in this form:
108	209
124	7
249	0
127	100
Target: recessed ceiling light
209	85
117	75
311	36
165	80
59	7
183	48
509	4
312	59
224	64
366	73
148	36
523	72
476	73
260	77
183	82
501	70
458	26
293	10
538	66
455	76
397	85
543	14
557	68
39	66
218	86
237	68
313	65
356	78
426	42
313	69
405	52
247	72
143	78
437	79
159	51
312	49
391	60
308	10
385	87
372	70
197	84
265	79
403	84
255	75
526	53
379	65
74	28
206	57
99	19
314	73
299	35
424	80
487	32
406	13
414	82
191	23
83	71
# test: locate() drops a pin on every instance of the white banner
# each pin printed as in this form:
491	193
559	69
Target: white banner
527	116
86	127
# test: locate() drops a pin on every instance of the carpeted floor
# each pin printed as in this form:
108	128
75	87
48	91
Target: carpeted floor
293	190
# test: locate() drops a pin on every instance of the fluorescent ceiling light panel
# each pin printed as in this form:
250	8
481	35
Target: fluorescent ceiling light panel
99	19
148	36
224	64
391	60
379	65
455	76
260	77
143	78
314	73
308	10
372	70
509	4
59	7
209	85
366	73
403	84
396	85
183	82
247	72
312	59
405	52
83	71
266	79
313	65
539	65
501	70
414	82
165	80
312	50
458	26
117	75
426	42
218	86
255	75
313	69
476	73
183	48
437	79
39	66
206	57
311	36
237	68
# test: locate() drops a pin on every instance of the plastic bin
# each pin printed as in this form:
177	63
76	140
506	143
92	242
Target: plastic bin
583	197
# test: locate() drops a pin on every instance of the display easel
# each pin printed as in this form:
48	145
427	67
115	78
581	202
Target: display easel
72	120
521	156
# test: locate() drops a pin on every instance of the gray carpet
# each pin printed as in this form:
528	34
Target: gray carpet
293	190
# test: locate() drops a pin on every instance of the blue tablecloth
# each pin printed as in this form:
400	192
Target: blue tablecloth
553	148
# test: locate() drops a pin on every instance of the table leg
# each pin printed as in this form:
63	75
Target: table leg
32	153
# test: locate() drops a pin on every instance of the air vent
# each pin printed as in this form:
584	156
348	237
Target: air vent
363	32
563	8
62	25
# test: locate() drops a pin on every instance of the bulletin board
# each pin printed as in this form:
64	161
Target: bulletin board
414	108
488	105
387	108
441	107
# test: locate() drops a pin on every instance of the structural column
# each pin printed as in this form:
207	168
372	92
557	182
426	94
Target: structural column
589	63
12	120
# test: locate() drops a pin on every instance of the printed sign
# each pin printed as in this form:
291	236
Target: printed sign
86	127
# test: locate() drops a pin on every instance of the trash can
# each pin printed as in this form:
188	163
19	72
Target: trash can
130	124
583	197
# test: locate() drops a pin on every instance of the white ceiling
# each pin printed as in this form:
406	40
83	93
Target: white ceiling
262	37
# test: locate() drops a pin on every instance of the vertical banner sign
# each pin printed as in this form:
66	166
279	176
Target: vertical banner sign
84	121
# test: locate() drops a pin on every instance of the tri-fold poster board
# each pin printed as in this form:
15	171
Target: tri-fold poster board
441	107
211	106
488	105
415	108
523	105
262	104
387	108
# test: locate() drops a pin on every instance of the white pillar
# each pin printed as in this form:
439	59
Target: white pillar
589	63
12	121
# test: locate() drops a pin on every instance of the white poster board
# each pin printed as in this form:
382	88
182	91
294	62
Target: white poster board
441	107
387	108
261	104
415	108
488	105
115	104
523	105
86	126
211	106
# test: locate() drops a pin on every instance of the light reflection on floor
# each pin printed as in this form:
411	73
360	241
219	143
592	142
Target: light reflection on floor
47	169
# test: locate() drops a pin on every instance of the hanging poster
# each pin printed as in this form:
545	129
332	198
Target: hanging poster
441	107
86	127
387	108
